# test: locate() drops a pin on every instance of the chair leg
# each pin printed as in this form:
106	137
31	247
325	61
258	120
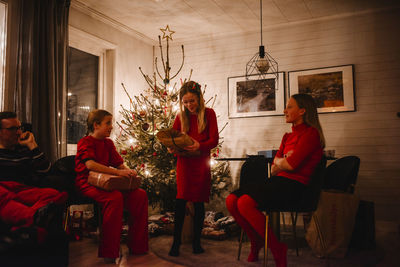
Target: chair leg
66	218
266	241
294	222
240	244
100	218
283	220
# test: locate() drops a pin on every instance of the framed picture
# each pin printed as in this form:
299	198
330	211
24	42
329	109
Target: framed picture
252	96
332	88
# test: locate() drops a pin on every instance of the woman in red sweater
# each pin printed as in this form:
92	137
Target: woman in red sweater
193	175
298	155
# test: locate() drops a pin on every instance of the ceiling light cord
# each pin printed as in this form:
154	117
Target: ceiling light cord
261	22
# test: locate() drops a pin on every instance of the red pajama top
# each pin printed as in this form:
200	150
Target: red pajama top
102	151
307	152
193	174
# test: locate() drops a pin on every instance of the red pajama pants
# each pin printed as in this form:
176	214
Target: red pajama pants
19	202
112	205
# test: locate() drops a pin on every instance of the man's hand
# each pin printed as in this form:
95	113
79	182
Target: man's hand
27	139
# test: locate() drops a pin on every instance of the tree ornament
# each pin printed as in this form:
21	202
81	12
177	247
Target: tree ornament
145	126
124	152
157	146
142	113
154	154
172	172
174	98
167	34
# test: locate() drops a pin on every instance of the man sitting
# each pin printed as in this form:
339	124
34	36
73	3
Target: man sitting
21	163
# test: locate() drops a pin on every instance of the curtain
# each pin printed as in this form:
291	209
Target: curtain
40	95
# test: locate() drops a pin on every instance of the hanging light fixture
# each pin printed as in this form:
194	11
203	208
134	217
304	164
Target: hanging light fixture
261	63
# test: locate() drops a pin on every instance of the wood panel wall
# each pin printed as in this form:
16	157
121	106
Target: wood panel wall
370	41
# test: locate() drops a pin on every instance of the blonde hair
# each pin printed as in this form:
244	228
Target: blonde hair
310	117
194	88
95	116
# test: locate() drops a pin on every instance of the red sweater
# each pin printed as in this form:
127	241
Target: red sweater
307	152
102	151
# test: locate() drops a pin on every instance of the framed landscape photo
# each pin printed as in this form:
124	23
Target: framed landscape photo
253	96
332	88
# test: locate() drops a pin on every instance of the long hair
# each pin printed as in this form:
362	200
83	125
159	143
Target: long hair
95	116
194	88
310	117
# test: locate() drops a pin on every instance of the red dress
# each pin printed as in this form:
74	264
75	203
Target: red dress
193	174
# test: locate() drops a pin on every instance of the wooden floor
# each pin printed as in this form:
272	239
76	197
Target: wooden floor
84	253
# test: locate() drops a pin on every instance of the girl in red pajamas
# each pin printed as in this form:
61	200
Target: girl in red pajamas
299	153
193	175
96	152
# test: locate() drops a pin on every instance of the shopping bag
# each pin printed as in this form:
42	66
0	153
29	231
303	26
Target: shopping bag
363	236
332	224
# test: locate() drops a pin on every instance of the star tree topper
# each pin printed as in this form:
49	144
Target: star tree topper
167	33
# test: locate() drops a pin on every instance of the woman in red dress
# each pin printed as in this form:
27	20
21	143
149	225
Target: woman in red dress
298	155
193	175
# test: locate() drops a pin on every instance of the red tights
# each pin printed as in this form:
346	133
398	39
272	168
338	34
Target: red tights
244	211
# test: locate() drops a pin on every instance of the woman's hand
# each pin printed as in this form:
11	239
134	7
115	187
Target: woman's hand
274	170
172	150
282	163
288	154
193	147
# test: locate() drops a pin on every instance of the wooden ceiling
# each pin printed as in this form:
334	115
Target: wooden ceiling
197	19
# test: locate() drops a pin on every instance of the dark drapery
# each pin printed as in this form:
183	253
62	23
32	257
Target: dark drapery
40	95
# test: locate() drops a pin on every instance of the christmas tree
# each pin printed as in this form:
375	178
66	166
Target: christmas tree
149	112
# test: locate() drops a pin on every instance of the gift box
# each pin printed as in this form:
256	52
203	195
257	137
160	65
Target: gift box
177	141
111	182
174	139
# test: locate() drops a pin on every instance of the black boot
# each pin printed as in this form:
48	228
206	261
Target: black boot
179	217
198	222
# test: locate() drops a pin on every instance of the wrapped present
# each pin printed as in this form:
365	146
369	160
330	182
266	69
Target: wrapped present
155	229
211	233
177	141
111	182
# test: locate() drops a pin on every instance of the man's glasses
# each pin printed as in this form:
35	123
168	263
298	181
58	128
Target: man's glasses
14	128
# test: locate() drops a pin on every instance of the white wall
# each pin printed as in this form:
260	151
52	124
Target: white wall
371	42
130	53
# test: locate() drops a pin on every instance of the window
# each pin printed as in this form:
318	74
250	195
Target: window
91	70
3	41
82	92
